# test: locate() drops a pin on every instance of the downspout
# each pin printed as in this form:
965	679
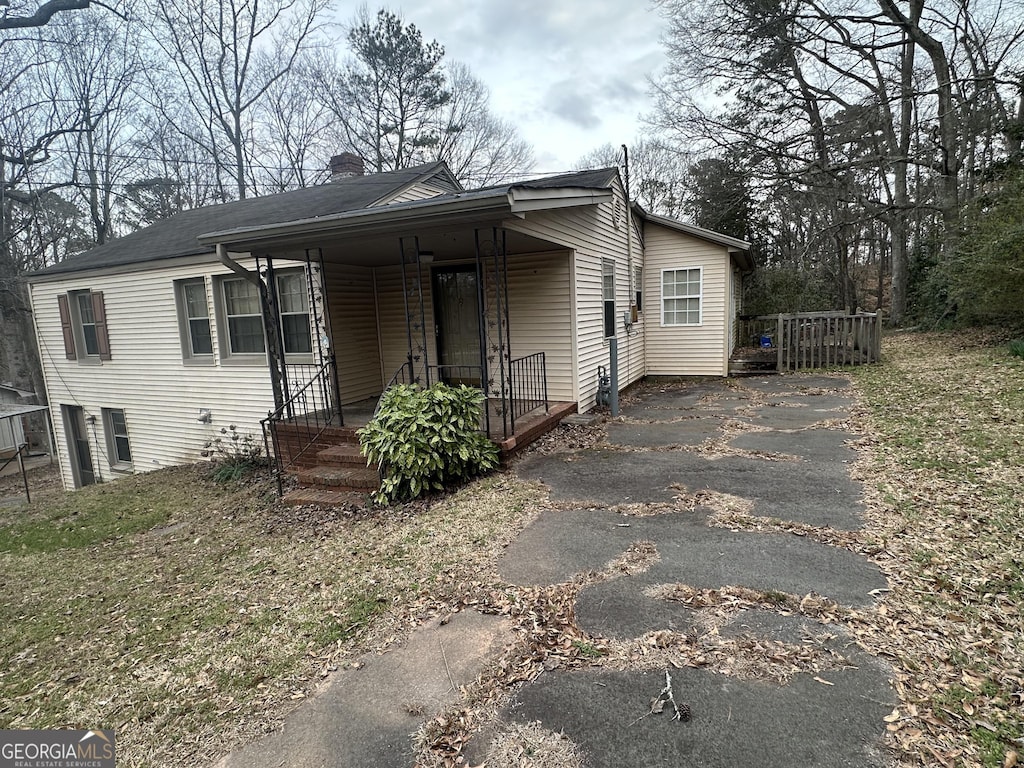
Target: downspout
234	266
272	364
629	263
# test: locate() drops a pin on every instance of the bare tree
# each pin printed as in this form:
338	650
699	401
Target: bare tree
295	132
479	148
96	70
837	113
657	172
173	174
220	52
40	15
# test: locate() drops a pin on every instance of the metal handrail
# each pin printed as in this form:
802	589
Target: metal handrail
313	406
403	375
528	385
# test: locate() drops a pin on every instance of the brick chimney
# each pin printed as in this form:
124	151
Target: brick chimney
345	166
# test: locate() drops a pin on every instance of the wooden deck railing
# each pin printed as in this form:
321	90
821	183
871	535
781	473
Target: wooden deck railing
814	339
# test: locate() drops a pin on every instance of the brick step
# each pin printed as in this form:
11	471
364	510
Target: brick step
340	478
323	497
341	455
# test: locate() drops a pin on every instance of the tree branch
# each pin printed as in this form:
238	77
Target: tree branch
43	13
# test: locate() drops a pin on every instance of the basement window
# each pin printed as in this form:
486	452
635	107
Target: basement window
119	449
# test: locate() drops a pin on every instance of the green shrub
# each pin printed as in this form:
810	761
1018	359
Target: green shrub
425	439
1017	348
234	455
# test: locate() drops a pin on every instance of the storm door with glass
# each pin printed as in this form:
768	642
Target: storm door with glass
457	318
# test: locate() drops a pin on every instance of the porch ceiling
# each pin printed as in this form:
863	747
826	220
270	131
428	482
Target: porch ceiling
444	243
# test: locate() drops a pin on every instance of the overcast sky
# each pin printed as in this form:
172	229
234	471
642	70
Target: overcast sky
570	74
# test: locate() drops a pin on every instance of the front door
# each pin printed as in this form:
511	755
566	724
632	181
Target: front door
457	315
78	445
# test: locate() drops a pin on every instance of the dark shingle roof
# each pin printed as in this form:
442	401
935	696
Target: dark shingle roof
176	236
596	179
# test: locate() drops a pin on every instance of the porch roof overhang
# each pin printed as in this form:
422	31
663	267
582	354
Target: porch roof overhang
487	207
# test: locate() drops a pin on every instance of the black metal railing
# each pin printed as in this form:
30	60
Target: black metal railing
527	389
403	375
528	385
310	409
471	376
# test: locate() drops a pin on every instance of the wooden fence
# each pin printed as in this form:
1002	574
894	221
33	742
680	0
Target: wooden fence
814	339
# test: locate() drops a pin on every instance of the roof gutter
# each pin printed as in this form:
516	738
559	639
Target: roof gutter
527	199
364	221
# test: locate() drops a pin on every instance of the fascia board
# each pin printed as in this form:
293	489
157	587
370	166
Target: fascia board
384	219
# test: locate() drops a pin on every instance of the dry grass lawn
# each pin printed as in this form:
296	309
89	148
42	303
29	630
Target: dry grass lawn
191	616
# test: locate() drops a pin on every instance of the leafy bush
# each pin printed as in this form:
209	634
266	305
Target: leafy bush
234	455
1017	348
425	439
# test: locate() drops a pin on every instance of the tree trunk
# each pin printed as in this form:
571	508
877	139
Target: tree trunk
898	223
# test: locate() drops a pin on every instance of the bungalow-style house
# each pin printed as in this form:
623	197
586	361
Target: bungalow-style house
294	312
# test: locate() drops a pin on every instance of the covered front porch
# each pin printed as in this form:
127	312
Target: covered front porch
487	307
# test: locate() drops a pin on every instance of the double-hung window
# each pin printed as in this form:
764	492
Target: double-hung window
293	303
119	448
83	320
243	316
608	294
194	320
681	296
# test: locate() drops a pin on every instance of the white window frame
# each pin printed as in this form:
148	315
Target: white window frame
291	357
113	435
699	296
607	270
227	353
638	289
83	302
188	351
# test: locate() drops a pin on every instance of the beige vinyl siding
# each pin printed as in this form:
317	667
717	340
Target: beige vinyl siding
353	308
146	376
394	339
686	350
420	191
592	232
540	316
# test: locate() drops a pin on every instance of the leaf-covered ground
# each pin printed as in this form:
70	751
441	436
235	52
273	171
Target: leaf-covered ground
190	615
945	484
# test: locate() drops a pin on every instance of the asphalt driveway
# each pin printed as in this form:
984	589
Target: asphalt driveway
735	617
777	446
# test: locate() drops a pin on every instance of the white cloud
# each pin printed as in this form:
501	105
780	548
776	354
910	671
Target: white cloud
571	74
